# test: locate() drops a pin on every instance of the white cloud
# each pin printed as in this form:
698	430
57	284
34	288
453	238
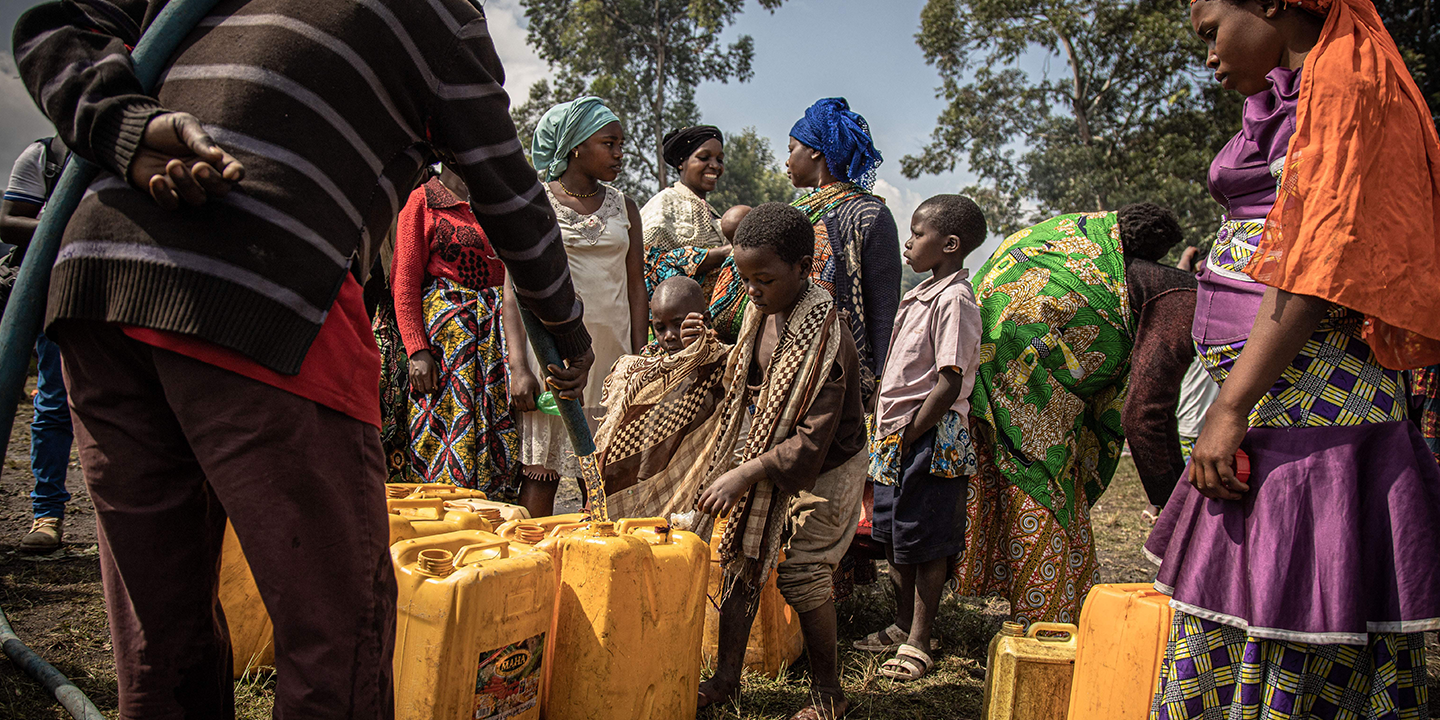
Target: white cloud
902	203
22	122
522	66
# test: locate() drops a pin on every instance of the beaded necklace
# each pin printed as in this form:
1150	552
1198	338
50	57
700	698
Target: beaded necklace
822	200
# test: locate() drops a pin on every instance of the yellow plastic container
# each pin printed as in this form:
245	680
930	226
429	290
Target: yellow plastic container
470	633
495	513
629	617
396	491
418	517
775	639
1027	676
1121	646
532	530
445	492
252	638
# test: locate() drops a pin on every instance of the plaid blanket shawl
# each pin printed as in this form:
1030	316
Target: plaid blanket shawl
750	545
658	434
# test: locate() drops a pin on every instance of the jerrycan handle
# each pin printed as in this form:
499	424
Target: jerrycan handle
1040	627
628	525
565	529
394	506
480	547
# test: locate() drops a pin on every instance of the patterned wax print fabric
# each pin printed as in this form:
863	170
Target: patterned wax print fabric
1334	380
679	228
1015	547
1425	404
394	395
1218	672
463	433
1054	359
952	456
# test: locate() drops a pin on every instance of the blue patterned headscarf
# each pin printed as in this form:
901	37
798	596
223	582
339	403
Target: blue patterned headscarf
843	137
562	129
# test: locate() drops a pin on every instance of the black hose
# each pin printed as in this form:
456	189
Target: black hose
44	673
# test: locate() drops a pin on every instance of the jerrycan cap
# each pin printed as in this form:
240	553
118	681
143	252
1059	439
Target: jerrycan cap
1012	629
601	528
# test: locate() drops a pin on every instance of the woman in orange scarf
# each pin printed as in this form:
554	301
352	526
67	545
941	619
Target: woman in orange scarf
1302	589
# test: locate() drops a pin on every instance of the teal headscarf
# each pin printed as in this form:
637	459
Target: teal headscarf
563	128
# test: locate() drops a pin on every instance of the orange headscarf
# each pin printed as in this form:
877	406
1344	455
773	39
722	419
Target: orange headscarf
1357	217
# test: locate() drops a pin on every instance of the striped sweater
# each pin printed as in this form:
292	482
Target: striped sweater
334	107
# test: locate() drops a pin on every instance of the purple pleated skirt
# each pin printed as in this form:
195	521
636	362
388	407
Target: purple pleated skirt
1338	537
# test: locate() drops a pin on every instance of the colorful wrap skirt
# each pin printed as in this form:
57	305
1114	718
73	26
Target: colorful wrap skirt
1306	597
464	433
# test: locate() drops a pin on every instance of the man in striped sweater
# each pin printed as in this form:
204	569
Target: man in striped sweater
216	349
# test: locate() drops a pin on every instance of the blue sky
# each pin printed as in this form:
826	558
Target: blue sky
862	50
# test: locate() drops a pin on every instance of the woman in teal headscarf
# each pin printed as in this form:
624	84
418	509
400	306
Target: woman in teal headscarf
578	148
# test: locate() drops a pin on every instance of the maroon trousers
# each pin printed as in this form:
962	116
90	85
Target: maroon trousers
172	446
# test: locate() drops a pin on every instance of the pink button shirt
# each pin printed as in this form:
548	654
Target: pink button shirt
938	326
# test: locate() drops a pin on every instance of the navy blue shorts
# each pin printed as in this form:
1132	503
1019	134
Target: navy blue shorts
922	518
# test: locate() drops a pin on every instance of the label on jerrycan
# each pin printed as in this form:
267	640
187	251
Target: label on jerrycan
508	681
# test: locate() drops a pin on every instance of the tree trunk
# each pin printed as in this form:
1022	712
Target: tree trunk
658	114
1079	106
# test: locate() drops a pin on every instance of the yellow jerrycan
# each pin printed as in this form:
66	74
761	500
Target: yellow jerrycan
495	513
396	491
444	492
530	531
472	617
775	639
1027	676
252	638
1123	632
417	517
629	616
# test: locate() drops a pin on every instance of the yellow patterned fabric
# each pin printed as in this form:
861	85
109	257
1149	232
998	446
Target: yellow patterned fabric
1334	380
1217	672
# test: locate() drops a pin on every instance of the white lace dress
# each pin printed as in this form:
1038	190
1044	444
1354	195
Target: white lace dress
596	245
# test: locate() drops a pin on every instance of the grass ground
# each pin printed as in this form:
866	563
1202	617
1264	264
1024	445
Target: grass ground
55	603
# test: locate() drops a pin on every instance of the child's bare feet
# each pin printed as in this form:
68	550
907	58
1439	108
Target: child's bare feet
717	690
824	705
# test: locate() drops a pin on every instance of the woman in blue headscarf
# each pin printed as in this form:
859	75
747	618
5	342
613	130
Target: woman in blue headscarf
832	154
578	148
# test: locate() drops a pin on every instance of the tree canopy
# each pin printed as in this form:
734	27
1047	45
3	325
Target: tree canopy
752	175
645	57
1130	116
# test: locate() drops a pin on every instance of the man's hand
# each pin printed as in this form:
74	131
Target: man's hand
692	329
569	382
524	388
724	494
177	161
1212	468
424	372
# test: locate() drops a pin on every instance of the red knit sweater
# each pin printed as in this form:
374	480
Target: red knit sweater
437	237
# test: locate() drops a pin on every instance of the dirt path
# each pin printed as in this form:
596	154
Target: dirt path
55	603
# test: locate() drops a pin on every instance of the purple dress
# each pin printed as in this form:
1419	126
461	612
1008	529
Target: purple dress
1331	558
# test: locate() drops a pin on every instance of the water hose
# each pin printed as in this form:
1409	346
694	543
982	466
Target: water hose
25	310
570	410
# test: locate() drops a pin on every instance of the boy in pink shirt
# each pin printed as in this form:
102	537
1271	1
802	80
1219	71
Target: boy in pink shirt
921	452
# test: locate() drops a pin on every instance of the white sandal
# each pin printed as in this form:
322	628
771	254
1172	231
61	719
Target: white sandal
910	663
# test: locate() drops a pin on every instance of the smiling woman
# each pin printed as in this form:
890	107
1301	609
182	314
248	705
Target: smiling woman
682	231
